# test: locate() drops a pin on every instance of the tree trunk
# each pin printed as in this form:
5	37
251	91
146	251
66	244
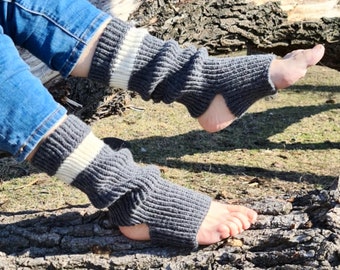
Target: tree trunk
225	26
301	233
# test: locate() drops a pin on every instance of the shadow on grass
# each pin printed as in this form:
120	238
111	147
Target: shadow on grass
251	132
317	88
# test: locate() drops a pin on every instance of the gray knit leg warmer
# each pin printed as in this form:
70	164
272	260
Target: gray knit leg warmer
132	59
133	194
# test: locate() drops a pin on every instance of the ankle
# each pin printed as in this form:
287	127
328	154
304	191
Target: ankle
217	116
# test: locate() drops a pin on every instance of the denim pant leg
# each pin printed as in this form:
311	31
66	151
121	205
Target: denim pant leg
27	110
55	31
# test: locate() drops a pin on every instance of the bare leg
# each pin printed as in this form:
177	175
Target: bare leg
223	220
83	65
283	73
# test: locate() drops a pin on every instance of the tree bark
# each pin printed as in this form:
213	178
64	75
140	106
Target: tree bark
227	26
301	232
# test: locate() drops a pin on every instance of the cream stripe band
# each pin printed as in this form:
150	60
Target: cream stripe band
126	56
81	157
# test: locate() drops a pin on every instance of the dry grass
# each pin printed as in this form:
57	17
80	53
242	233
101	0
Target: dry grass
280	147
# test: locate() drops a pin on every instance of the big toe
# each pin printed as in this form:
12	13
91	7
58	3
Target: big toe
316	54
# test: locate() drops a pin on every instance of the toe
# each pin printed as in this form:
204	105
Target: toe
247	212
224	232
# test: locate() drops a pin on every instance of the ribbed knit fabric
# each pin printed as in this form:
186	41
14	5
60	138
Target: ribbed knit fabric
110	178
130	58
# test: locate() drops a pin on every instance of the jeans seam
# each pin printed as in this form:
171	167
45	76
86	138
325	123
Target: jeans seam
51	20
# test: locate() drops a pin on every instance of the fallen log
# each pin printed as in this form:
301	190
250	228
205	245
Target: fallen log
295	232
258	26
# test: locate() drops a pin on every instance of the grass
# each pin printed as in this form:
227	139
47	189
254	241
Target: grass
279	148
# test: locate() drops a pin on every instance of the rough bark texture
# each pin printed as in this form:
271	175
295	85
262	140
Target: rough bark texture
225	26
300	232
89	100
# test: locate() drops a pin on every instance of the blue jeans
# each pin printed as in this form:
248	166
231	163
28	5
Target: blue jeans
55	31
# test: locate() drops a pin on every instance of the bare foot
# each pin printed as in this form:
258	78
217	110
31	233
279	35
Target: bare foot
221	221
283	72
